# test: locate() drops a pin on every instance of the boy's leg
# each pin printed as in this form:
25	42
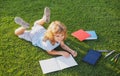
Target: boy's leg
21	32
45	18
23	24
46	15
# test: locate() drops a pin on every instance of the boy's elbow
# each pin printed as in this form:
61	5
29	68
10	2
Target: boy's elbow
49	52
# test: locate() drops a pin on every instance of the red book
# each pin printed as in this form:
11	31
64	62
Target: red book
81	34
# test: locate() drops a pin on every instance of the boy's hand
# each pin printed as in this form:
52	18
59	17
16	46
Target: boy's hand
65	54
74	53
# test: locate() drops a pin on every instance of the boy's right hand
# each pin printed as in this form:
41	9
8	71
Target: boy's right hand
65	54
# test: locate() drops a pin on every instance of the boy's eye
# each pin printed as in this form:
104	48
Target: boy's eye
57	36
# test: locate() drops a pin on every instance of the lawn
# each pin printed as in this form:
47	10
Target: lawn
20	58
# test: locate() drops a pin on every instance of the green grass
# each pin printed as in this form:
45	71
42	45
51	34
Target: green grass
20	58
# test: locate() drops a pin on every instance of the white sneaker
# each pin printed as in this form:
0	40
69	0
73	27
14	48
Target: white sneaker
21	22
46	15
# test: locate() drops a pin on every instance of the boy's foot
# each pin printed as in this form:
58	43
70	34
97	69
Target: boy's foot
46	15
21	22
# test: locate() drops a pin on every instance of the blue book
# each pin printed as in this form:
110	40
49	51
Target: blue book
92	57
93	35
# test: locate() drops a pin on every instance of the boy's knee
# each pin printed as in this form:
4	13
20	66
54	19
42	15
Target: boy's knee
15	32
19	31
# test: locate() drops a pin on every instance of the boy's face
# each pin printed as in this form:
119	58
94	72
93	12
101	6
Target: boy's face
58	37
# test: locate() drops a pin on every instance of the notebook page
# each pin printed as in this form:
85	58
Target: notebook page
49	65
66	62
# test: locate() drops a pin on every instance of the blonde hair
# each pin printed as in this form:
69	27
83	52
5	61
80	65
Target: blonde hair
56	27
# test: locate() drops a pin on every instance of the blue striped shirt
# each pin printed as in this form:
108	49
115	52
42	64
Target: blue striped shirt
37	35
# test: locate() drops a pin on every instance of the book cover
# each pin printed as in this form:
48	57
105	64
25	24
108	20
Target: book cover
56	64
80	34
93	35
92	57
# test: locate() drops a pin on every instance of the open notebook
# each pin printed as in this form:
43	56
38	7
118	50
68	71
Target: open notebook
56	64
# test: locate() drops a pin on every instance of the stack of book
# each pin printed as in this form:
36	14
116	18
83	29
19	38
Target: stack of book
85	35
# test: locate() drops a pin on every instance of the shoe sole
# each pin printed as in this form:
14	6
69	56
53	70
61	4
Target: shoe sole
47	14
21	22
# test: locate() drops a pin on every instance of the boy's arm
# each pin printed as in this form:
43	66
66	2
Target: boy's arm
63	53
65	47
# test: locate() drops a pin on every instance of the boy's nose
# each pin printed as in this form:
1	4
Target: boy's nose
61	38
